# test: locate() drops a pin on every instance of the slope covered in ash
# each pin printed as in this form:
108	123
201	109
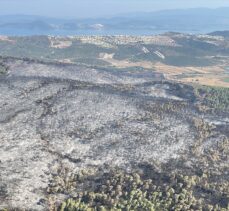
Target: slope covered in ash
66	116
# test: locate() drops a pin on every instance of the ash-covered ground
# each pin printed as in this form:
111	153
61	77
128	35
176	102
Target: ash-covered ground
54	115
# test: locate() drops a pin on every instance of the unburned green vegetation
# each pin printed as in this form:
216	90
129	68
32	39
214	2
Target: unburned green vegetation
226	80
3	68
213	97
148	190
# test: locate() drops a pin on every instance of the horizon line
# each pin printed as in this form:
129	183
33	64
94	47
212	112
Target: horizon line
113	16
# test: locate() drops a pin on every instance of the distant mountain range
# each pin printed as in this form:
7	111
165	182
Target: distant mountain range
198	20
220	33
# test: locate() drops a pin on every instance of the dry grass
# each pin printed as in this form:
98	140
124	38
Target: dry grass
210	80
211	75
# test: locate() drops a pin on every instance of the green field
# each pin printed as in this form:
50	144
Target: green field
226	80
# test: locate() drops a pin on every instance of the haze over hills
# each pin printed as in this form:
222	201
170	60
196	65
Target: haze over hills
197	21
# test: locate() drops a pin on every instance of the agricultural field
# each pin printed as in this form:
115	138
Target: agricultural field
194	59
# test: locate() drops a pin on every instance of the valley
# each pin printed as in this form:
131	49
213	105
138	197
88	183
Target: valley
195	59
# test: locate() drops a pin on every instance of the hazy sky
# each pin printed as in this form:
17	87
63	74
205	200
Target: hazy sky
95	8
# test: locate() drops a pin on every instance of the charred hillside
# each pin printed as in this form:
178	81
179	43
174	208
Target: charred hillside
59	120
